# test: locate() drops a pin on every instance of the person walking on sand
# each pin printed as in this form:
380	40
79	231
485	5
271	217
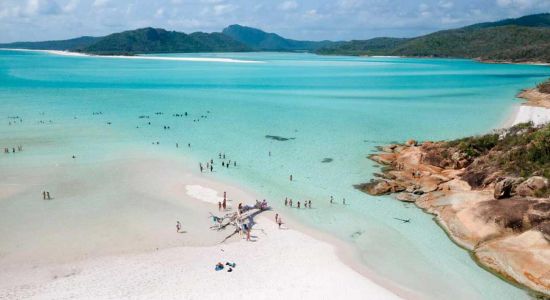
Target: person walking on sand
224	204
280	222
178	226
276	217
219	205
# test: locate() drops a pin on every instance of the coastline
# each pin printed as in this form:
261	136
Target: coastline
344	256
469	215
184	267
535	108
139	57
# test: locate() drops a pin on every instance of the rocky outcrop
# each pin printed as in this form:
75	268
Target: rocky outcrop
495	215
532	186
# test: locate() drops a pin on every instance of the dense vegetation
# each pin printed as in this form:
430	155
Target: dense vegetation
152	40
71	44
522	150
522	39
376	46
263	41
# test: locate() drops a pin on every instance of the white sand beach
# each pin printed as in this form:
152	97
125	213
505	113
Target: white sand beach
98	239
279	264
535	114
142	57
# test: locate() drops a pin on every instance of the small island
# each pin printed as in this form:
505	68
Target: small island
490	193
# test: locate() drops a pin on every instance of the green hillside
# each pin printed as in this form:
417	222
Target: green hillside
152	40
263	41
71	44
523	39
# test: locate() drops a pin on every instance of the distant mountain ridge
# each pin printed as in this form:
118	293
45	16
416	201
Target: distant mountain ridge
71	44
264	41
155	40
515	40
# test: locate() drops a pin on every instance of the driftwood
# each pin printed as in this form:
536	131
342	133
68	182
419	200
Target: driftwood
235	219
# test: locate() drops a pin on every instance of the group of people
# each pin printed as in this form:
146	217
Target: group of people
223	205
288	202
7	149
46	195
209	166
332	200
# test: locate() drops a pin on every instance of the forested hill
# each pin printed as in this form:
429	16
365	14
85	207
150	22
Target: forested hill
263	41
517	40
76	43
153	40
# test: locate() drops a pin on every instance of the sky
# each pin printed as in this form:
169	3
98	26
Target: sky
34	20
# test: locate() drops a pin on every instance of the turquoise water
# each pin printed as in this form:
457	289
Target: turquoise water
330	107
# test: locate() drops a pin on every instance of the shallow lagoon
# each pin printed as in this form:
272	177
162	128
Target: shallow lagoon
326	107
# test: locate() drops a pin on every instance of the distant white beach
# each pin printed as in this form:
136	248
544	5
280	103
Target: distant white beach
197	59
535	114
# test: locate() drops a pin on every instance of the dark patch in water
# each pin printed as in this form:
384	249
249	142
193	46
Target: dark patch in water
278	138
357	234
327	160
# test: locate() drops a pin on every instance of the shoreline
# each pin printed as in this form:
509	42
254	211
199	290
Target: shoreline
518	258
535	108
139	57
70	276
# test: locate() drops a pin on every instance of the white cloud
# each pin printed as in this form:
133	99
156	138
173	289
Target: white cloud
159	13
288	5
221	9
101	3
446	4
70	6
523	4
41	7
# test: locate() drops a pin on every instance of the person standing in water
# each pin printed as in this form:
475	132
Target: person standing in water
309	203
43	195
298	204
344	201
48	196
331	198
280	222
276	217
286	201
178	226
290	177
